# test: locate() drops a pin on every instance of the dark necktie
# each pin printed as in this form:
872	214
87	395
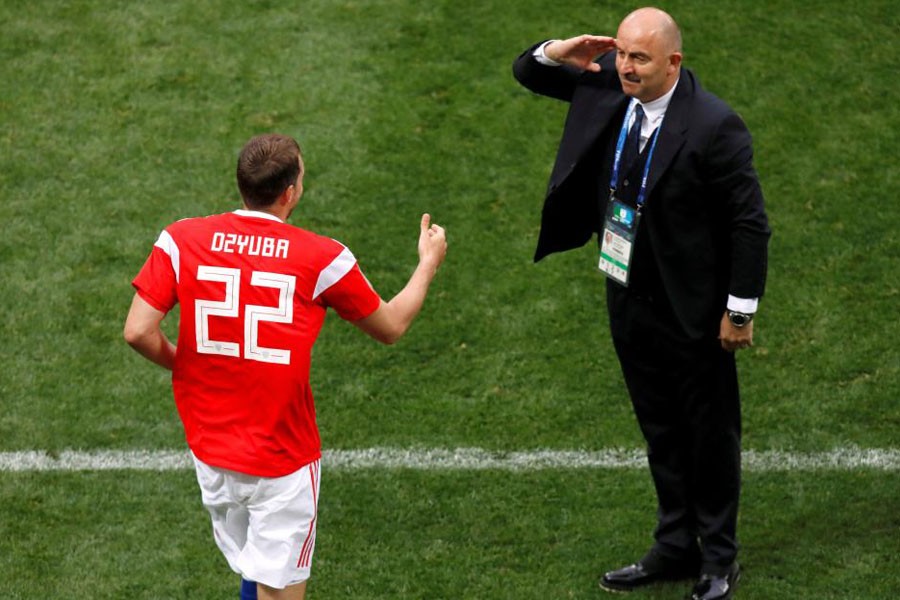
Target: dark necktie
633	141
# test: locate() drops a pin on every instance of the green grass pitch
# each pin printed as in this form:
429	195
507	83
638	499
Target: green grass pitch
117	118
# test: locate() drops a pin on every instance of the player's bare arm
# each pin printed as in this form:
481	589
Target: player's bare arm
391	320
143	333
580	51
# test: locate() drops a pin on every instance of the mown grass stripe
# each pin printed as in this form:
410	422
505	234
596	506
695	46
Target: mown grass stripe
462	459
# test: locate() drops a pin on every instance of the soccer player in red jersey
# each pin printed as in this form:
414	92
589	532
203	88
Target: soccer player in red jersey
253	292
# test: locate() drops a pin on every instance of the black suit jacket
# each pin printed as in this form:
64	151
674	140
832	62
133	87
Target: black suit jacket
704	216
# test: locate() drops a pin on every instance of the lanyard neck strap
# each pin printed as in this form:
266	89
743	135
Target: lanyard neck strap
620	145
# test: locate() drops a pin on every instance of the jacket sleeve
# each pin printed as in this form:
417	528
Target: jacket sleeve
555	82
733	179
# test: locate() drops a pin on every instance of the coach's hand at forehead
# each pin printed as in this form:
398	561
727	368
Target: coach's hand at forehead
580	51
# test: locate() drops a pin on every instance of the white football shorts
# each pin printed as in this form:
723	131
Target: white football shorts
265	526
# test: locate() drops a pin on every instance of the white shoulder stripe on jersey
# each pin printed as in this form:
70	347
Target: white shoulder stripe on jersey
168	245
333	273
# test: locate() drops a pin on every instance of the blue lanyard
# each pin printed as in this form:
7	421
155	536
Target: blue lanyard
620	145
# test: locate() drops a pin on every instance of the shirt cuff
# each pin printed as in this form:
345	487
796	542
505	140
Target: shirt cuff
542	58
743	305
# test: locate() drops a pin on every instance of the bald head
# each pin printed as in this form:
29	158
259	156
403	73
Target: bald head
648	56
657	23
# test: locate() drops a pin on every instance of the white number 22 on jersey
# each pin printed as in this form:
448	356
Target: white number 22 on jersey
253	313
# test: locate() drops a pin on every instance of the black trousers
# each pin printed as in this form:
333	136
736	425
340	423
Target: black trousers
686	400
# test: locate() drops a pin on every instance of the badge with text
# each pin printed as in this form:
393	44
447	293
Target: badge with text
617	245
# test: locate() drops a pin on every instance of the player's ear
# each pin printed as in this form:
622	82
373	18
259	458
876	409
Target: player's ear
287	196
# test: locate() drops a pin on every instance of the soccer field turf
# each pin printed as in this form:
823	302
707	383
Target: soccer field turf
117	118
450	534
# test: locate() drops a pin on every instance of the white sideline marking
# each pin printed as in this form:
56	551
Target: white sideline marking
461	459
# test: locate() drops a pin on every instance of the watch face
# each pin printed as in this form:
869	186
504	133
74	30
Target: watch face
738	319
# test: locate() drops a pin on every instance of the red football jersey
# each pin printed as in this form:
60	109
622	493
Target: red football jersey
253	292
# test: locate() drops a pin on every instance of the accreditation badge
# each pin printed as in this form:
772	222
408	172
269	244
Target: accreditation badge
617	244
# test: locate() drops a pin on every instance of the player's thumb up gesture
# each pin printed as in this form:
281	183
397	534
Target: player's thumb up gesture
432	243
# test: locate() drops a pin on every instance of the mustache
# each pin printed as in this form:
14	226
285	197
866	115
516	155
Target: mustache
632	78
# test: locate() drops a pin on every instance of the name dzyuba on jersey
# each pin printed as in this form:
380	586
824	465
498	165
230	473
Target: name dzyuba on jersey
251	245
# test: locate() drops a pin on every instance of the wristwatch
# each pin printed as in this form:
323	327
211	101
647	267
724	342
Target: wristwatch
739	319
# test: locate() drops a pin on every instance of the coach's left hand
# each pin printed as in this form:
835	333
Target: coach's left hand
735	338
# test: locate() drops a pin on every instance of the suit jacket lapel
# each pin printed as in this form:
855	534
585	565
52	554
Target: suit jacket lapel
672	134
584	129
601	115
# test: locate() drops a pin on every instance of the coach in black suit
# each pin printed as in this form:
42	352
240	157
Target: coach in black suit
696	272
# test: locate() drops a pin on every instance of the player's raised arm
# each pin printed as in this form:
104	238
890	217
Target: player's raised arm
392	319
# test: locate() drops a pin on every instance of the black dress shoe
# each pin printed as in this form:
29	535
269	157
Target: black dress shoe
647	571
717	587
